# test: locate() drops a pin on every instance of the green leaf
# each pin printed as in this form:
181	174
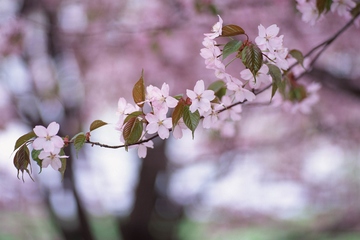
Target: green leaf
298	56
79	141
136	132
139	91
23	139
219	88
22	161
73	138
231	30
96	124
276	75
356	10
178	112
35	157
178	97
323	5
252	58
231	47
132	131
191	120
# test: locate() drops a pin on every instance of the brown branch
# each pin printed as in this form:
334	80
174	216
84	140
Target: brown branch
123	145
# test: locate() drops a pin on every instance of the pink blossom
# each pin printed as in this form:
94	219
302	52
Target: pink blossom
279	58
310	13
211	54
232	113
212	116
216	29
239	93
268	39
160	99
123	110
200	97
47	138
158	122
51	158
260	77
142	149
179	128
208	42
342	7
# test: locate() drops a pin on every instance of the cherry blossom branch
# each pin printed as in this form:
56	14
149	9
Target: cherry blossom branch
324	44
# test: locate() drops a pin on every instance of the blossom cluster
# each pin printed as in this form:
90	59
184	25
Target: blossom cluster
273	51
49	144
157	120
311	14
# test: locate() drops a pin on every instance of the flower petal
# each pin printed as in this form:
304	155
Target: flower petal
191	94
45	163
57	141
48	146
38	143
152	128
199	87
142	151
163	132
40	131
56	163
53	128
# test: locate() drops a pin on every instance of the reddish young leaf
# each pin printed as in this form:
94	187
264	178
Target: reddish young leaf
139	91
231	30
22	161
132	130
178	112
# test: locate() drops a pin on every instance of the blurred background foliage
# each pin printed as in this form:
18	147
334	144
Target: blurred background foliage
274	176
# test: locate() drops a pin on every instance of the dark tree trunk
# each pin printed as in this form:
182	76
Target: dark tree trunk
137	225
144	219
